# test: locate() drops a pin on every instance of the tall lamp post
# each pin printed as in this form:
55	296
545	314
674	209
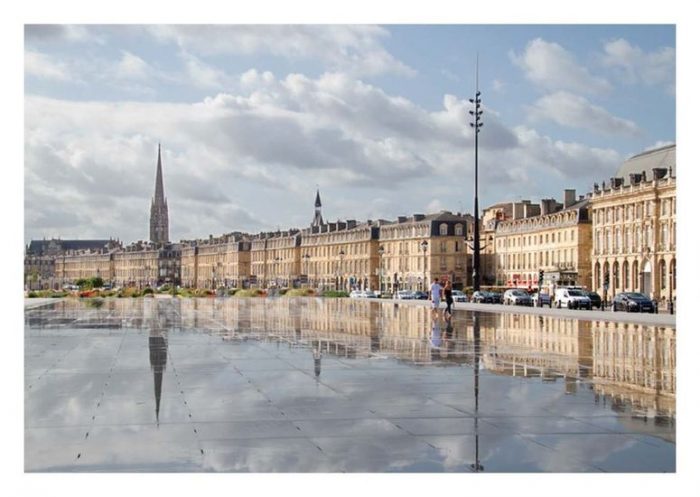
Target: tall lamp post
424	248
381	270
339	278
306	263
477	124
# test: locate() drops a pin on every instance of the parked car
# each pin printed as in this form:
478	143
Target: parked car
632	302
480	297
545	299
420	295
496	297
369	294
516	296
459	296
404	295
571	298
356	294
596	301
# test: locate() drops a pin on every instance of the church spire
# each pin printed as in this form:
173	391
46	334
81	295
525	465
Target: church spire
159	208
318	219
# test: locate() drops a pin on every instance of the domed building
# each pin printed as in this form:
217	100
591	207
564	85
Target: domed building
634	228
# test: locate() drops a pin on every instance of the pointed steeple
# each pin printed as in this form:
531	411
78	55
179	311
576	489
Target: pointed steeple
159	208
159	196
318	219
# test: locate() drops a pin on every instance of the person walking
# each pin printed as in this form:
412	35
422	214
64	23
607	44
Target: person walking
448	297
435	293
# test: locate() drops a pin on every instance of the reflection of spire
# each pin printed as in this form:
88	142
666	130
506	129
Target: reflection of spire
317	360
158	349
477	354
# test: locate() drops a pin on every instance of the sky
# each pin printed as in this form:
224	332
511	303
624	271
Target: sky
252	119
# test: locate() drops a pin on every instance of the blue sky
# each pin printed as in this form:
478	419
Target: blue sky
252	118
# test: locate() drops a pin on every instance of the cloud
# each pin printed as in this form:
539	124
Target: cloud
41	66
574	111
251	159
354	49
132	66
550	66
633	65
52	33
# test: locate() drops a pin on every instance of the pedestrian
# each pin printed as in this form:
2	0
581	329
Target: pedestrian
448	297
435	292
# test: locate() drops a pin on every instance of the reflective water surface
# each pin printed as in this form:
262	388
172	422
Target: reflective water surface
314	385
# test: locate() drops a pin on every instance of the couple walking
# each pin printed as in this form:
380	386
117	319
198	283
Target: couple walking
437	291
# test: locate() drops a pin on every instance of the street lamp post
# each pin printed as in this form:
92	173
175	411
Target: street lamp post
381	270
306	263
424	247
338	279
477	124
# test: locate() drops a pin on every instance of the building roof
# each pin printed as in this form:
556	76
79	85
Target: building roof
662	157
39	247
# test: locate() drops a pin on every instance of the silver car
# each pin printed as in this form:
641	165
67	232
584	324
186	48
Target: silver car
516	296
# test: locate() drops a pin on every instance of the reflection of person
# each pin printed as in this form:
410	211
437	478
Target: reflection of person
317	362
448	298
435	339
435	292
449	332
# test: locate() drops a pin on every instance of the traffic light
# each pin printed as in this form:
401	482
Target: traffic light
541	274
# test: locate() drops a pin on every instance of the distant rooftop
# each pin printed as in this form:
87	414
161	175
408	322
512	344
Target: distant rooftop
662	157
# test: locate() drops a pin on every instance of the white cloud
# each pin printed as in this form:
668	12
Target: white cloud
202	75
550	66
574	111
634	65
226	157
52	33
132	66
354	49
40	65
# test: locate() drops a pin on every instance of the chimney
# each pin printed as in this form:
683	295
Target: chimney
569	198
517	213
351	223
418	217
402	219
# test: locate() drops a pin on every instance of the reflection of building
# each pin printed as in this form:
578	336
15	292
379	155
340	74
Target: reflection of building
634	227
551	237
636	363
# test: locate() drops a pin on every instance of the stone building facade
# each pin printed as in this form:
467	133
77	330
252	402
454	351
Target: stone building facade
275	259
417	249
342	255
634	227
556	240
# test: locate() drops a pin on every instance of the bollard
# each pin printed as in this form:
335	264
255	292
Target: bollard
656	307
670	307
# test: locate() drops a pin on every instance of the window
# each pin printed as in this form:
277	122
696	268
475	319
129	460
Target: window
443	229
458	230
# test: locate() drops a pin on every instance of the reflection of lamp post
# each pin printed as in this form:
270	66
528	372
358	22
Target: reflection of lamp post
424	247
477	467
381	270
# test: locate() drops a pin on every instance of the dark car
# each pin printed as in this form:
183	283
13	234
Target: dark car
596	301
632	302
420	296
496	298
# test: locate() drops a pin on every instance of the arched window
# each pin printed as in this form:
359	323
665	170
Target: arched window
458	230
616	274
596	276
626	275
635	275
443	229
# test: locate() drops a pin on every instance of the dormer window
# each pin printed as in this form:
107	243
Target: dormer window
443	229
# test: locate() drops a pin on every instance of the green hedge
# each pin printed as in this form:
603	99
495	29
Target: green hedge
252	292
335	293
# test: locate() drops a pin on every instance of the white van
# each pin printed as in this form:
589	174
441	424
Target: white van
571	298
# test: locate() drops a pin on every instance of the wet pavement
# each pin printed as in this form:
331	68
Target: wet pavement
324	385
